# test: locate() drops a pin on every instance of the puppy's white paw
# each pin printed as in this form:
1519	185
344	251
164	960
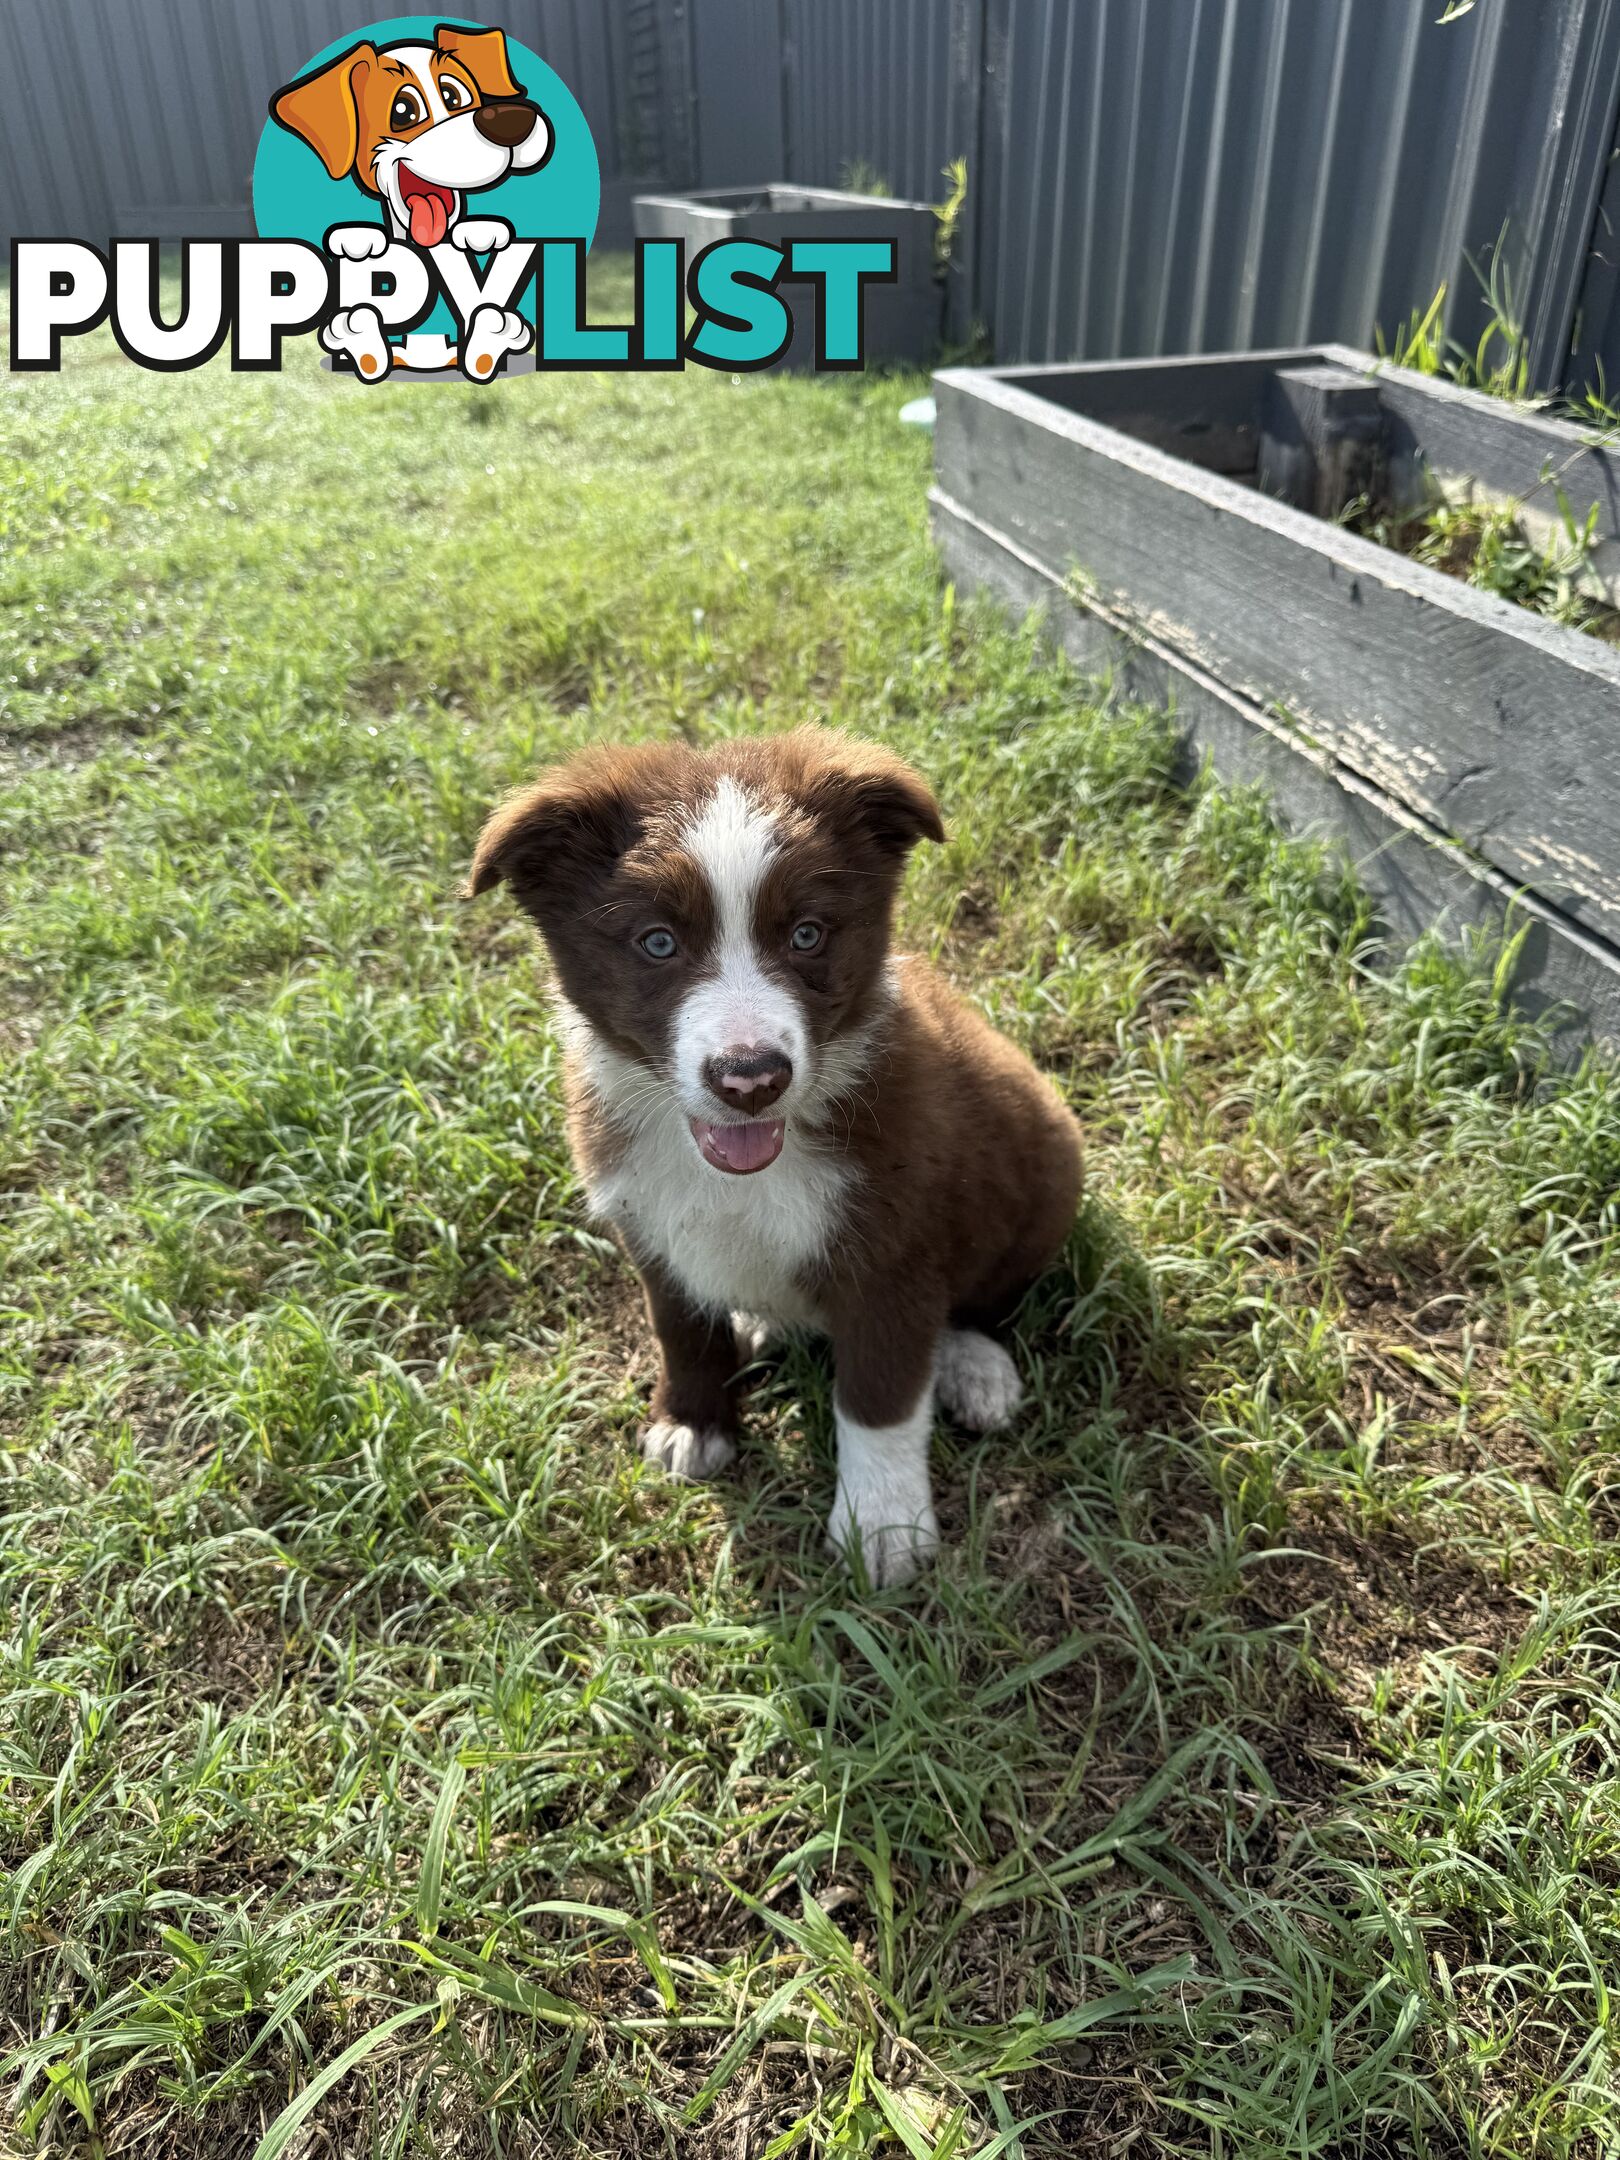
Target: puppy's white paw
359	333
754	1335
976	1382
477	236
687	1451
891	1552
358	243
492	332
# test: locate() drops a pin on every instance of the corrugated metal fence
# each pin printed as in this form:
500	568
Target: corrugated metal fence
1154	176
141	117
1144	175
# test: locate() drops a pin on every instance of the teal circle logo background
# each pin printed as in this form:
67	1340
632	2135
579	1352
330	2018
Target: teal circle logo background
294	197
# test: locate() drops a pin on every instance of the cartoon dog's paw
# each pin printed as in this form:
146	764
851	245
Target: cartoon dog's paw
357	243
358	332
976	1381
492	332
478	235
687	1451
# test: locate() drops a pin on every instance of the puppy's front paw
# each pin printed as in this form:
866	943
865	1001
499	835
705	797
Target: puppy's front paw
976	1382
891	1552
687	1451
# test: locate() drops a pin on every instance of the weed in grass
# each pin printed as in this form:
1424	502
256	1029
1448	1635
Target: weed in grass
390	1762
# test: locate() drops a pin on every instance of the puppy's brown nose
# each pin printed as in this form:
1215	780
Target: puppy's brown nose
748	1076
507	123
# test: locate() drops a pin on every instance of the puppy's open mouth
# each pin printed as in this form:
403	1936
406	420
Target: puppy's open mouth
427	206
740	1149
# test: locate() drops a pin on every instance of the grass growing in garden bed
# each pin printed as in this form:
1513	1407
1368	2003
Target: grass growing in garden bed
1485	544
380	1737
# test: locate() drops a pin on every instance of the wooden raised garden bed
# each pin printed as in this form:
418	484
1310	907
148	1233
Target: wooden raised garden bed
1465	749
902	319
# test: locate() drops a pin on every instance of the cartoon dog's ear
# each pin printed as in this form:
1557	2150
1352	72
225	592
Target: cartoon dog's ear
324	109
549	840
483	54
870	793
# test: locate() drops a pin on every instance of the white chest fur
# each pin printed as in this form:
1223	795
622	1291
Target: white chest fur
734	1243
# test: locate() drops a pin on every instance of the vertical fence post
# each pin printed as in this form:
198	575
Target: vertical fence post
787	65
964	138
686	28
991	120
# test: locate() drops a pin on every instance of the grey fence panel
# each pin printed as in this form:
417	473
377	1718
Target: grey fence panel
141	117
737	54
1156	176
870	93
1200	175
51	176
1597	322
647	142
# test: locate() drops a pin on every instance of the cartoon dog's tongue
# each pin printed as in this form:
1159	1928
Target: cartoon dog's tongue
428	208
740	1148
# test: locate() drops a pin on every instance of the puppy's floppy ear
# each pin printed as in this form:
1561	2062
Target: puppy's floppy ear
483	54
324	108
872	794
549	839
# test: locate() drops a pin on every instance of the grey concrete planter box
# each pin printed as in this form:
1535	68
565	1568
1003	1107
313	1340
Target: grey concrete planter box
1465	750
902	319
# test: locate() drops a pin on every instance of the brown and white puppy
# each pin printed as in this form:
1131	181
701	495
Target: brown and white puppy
784	1123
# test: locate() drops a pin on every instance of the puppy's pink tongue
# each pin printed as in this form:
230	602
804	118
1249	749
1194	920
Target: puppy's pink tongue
740	1148
430	221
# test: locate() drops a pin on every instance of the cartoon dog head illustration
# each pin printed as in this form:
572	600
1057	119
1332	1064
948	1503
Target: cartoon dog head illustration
420	126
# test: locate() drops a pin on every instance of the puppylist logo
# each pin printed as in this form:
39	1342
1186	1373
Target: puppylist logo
425	194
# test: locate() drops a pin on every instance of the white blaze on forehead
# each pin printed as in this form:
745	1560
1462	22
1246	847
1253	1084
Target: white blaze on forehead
734	839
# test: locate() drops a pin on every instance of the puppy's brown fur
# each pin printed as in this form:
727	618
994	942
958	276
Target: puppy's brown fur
937	1170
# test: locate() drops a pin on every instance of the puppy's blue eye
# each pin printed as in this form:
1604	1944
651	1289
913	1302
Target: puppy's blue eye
659	944
807	937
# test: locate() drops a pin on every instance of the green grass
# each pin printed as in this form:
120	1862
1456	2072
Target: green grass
378	1730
